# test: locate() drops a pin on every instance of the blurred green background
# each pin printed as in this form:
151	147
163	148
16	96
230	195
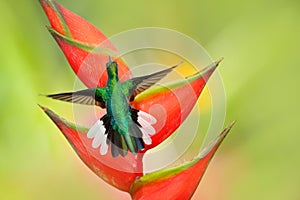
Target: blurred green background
260	41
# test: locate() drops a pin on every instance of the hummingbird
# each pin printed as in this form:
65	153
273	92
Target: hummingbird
122	128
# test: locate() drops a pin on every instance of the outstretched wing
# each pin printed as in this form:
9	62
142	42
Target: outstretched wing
135	86
93	96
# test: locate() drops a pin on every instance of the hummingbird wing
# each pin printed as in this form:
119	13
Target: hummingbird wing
137	85
92	96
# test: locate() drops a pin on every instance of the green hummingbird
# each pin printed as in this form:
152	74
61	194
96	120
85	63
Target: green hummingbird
122	128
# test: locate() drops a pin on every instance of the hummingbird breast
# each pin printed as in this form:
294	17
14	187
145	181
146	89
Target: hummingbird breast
118	108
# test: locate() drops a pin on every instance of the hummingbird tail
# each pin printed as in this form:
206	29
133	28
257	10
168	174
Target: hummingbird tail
105	136
144	121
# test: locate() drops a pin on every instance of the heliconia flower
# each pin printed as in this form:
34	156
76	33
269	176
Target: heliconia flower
78	39
174	183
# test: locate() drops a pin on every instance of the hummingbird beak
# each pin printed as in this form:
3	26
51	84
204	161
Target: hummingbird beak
109	59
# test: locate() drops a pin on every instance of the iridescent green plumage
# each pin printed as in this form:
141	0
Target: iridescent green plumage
123	129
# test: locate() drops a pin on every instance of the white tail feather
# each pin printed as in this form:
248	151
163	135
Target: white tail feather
143	122
150	130
92	132
147	117
97	140
97	133
146	138
146	121
104	146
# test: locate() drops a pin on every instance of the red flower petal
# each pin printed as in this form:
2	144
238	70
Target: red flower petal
173	102
67	23
106	167
178	183
67	26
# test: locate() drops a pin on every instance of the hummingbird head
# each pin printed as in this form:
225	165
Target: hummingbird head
112	68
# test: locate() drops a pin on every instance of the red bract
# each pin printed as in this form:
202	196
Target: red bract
177	183
171	104
173	101
91	157
78	38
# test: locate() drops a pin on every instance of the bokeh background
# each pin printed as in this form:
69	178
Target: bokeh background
260	41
